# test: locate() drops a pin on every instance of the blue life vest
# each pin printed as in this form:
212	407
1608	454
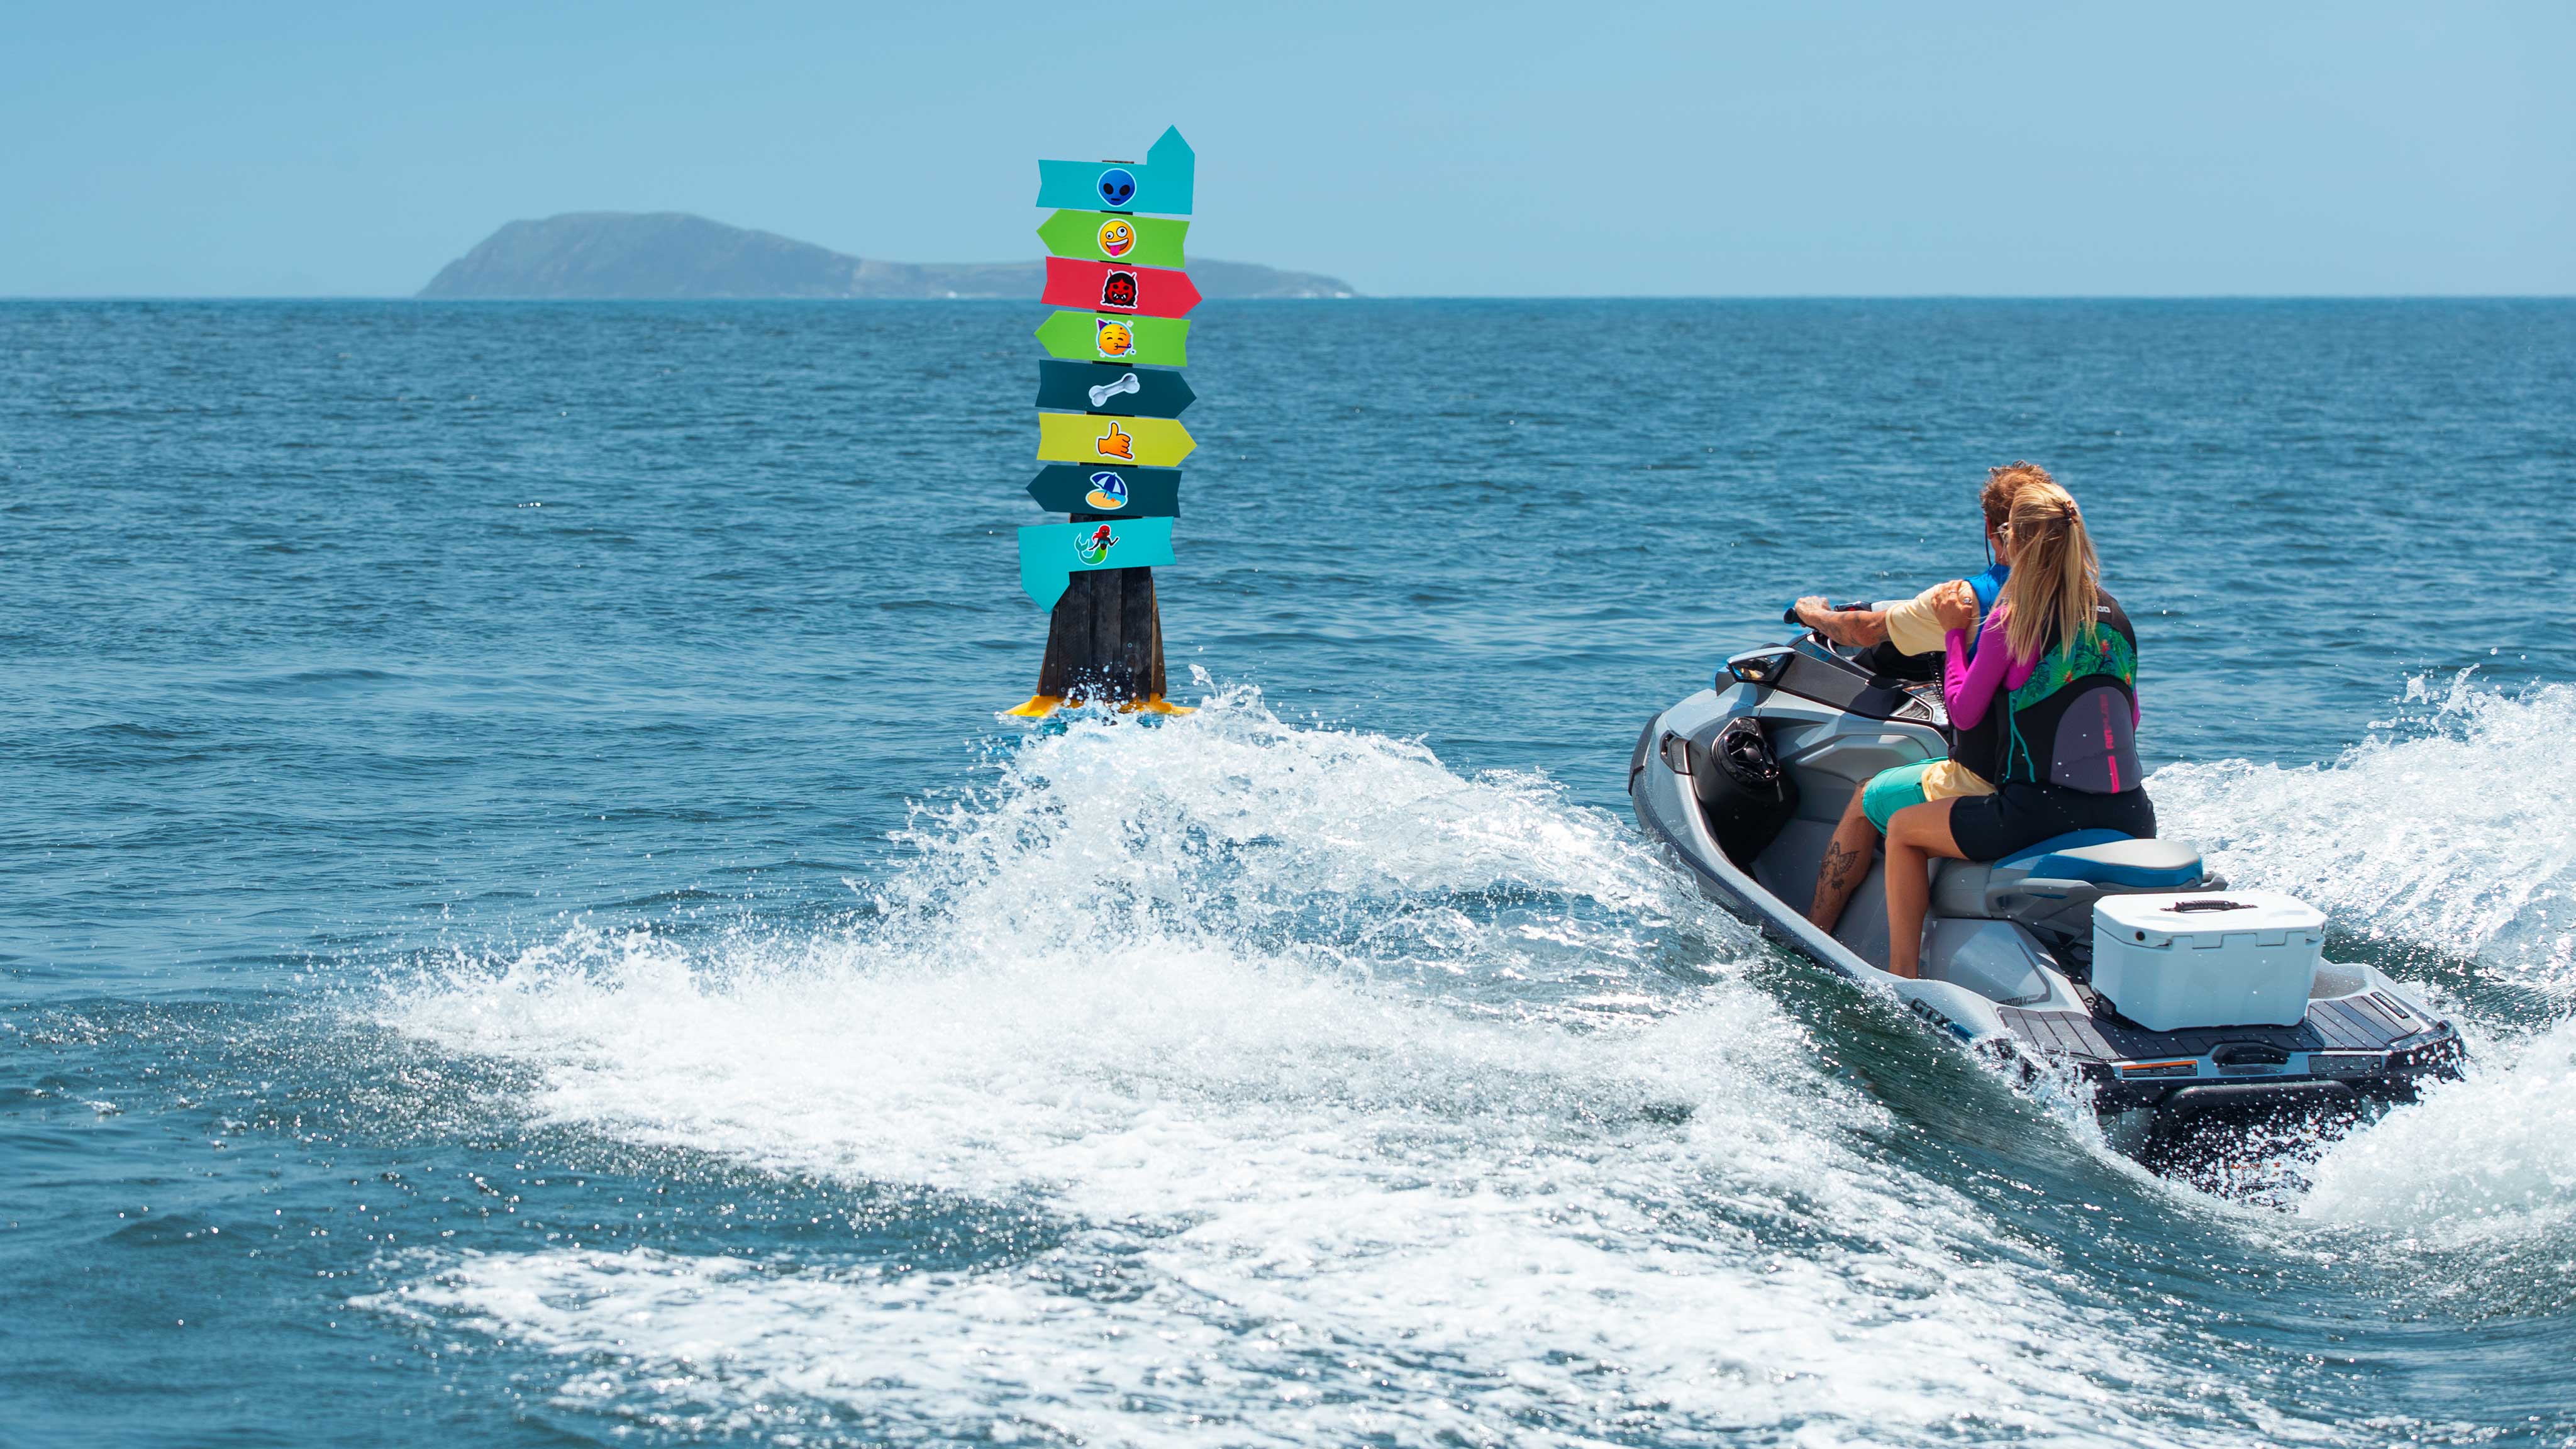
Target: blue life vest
1990	587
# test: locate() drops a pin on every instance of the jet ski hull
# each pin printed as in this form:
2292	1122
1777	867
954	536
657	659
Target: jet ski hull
2012	990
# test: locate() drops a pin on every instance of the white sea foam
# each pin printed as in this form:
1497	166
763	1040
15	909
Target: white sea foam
1360	1090
2453	827
2486	1160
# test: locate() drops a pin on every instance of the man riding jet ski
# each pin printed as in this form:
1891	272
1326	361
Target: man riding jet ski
2078	941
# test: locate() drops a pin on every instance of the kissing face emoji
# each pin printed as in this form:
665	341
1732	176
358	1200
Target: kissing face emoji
1117	237
1114	338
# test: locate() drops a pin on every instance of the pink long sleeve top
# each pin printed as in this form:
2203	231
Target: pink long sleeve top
1970	686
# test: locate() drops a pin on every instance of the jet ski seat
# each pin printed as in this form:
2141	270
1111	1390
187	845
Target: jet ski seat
2065	870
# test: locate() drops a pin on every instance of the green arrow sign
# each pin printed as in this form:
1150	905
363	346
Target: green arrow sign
1051	553
1089	337
1099	236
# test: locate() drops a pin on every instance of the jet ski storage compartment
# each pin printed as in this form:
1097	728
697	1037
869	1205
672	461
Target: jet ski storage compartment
1742	790
2176	962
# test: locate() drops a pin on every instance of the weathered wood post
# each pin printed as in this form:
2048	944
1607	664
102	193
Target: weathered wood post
1108	425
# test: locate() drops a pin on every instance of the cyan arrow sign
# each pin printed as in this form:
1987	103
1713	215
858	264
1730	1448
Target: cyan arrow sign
1130	392
1163	183
1051	553
1124	492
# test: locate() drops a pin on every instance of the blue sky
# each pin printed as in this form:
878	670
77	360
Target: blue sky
1496	149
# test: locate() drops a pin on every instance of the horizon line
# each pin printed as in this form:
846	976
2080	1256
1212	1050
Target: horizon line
9	298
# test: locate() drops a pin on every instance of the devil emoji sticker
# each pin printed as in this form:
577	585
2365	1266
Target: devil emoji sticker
1118	291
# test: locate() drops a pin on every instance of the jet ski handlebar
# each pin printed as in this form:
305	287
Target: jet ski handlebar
1789	615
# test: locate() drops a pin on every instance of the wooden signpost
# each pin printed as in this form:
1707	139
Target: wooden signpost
1108	424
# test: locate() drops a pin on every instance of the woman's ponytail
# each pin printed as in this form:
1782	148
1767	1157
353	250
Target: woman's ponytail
2056	582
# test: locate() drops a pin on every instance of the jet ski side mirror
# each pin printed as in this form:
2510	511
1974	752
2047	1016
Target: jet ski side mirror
1759	666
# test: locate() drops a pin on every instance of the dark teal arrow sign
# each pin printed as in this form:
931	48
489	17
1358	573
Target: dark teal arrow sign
1129	392
1164	182
1114	492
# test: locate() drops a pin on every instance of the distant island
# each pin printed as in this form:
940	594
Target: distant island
672	255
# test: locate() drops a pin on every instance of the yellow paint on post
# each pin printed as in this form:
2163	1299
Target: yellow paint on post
1097	438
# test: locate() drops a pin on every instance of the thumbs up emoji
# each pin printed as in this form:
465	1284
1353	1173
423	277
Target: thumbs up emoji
1118	444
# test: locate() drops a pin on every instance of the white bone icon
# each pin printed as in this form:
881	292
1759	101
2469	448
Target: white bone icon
1101	395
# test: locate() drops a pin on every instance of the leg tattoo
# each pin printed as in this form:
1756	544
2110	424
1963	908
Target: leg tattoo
1838	866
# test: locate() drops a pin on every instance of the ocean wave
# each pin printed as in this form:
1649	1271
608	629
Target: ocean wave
2446	830
2487	1160
1377	1107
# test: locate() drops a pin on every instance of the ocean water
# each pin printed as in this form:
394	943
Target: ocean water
520	923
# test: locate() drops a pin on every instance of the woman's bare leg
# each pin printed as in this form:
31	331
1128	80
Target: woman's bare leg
1914	835
1845	866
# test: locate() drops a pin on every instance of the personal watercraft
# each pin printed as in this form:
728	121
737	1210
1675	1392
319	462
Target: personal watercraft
2195	1016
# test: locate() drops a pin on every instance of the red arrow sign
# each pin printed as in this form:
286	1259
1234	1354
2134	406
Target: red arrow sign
1109	287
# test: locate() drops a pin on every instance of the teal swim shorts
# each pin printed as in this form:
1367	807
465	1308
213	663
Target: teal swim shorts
1889	791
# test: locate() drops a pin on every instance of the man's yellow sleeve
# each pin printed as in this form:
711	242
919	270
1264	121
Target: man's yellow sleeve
1913	626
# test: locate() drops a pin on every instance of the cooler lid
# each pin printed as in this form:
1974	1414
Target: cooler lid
2206	913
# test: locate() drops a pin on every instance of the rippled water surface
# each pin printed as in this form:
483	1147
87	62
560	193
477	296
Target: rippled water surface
522	924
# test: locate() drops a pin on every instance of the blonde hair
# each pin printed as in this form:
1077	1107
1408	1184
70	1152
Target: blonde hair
2056	582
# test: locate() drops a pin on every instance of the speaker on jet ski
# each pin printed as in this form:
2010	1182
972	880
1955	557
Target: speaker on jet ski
1743	791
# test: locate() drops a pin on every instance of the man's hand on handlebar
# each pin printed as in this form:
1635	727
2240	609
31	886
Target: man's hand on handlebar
1853	628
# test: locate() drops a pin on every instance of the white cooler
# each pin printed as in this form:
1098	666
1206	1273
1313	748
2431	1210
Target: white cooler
2225	958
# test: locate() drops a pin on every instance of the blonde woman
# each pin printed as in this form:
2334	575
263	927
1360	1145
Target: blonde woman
2044	705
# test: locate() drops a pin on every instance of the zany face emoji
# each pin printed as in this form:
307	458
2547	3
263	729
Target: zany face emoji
1115	339
1117	237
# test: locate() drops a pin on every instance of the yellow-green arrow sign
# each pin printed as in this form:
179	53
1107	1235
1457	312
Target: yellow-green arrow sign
1100	236
1091	337
1091	438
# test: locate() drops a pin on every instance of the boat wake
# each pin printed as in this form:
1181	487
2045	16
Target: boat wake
1345	1097
2445	835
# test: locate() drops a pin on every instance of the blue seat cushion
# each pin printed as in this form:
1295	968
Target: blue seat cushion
2106	857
